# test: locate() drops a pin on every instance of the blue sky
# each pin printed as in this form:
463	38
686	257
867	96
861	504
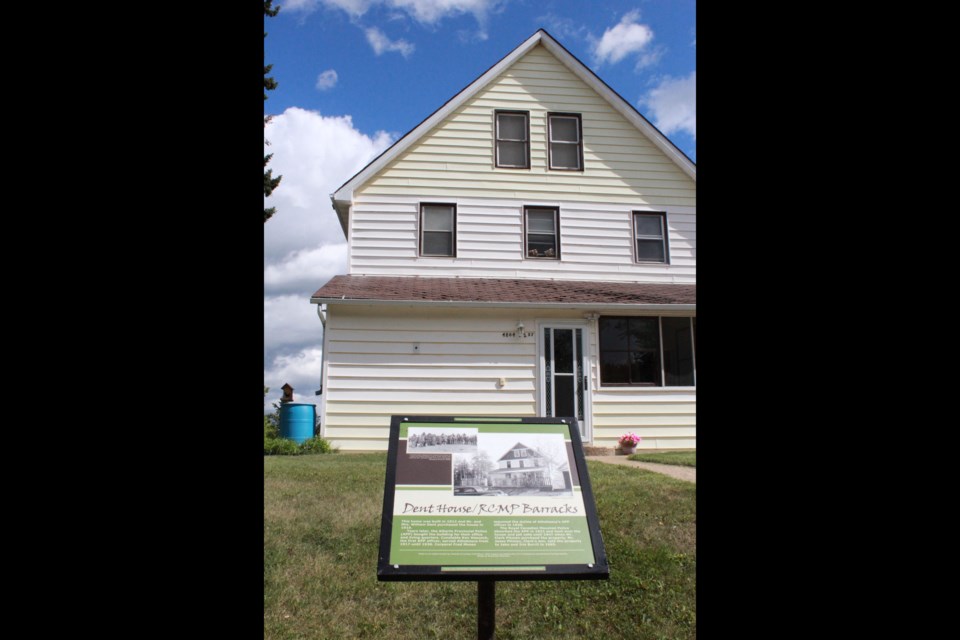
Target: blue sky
355	75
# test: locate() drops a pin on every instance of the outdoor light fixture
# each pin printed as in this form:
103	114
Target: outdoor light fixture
520	326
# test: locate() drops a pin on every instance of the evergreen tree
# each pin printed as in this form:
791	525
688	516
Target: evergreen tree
269	84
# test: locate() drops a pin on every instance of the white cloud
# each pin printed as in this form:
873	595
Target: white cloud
303	245
327	80
290	324
432	11
306	269
425	12
650	58
629	36
315	154
673	104
301	370
355	8
381	43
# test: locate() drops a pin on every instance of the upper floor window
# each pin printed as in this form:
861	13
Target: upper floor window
438	230
648	351
650	237
566	141
542	229
513	139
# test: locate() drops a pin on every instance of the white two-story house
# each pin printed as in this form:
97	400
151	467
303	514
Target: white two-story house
527	250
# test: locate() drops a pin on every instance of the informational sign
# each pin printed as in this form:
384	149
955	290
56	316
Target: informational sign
506	498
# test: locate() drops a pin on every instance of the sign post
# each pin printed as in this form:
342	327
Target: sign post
486	499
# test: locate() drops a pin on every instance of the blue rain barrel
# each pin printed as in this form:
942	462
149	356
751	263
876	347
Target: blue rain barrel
297	420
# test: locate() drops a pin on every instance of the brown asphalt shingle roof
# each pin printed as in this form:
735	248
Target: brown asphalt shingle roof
415	288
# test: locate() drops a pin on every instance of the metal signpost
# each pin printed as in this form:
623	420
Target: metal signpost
487	499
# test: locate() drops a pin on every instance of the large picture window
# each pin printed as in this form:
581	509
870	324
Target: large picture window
650	237
566	144
542	230
648	351
438	230
512	139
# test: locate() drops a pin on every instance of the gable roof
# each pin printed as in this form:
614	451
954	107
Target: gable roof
343	196
519	445
493	292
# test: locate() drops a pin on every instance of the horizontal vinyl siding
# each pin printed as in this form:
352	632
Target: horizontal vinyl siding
457	156
595	241
664	418
372	372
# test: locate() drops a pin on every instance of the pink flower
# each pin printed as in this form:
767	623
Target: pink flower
629	440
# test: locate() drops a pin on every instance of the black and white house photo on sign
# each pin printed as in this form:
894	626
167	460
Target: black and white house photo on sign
441	440
514	465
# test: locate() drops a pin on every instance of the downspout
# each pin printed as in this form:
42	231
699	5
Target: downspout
323	352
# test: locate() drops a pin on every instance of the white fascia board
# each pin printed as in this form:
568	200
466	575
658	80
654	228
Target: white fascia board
506	305
343	215
345	193
622	107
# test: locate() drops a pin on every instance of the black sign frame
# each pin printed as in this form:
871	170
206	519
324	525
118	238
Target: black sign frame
598	570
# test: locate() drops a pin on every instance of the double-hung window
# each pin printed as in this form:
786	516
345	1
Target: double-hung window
542	228
438	230
566	141
648	351
650	237
512	139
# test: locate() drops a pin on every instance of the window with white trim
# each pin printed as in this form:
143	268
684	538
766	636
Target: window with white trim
650	237
512	136
648	351
438	229
566	144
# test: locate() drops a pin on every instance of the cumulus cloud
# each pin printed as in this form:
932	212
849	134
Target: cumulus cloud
627	37
673	104
432	11
327	80
425	12
301	370
381	43
355	8
303	245
315	154
305	269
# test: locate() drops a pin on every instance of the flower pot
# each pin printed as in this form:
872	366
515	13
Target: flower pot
628	450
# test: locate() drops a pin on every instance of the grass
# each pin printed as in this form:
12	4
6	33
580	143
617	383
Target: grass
682	458
320	541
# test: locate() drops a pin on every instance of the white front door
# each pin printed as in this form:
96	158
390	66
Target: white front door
564	385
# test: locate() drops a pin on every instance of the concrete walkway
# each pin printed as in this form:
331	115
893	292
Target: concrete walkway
674	471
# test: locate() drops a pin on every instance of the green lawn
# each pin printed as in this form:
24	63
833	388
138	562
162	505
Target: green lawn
682	458
320	541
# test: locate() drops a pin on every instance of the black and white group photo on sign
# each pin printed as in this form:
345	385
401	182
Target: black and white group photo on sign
441	440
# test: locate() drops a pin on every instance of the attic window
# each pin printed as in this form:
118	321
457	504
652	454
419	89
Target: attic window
513	139
566	141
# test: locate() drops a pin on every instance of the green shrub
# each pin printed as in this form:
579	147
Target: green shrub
315	445
280	447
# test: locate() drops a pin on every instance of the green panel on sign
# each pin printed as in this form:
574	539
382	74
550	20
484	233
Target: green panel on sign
493	568
493	540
